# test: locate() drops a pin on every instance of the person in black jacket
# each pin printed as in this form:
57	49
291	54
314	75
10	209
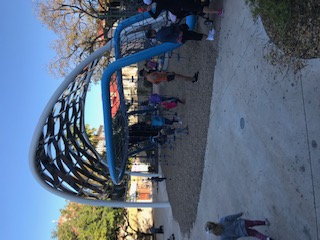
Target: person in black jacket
180	8
178	34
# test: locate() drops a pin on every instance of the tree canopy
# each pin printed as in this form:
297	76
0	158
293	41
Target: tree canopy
84	222
81	27
91	135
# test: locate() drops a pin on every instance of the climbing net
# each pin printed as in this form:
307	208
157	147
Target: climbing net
64	158
131	46
129	37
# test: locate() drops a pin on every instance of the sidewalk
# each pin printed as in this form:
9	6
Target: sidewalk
262	154
163	216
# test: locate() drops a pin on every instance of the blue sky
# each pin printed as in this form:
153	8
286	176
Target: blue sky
27	210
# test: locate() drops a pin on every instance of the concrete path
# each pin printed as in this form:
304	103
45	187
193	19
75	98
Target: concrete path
262	153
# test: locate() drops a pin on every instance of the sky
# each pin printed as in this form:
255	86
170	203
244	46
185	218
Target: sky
28	211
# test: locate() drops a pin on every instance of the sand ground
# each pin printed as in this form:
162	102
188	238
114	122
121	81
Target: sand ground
187	156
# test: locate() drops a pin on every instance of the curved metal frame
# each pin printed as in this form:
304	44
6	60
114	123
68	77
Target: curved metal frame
38	135
40	159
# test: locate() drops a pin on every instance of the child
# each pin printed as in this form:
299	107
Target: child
233	227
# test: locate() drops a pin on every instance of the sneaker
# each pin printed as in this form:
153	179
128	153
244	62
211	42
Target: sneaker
220	13
210	38
212	32
182	101
211	35
195	77
175	117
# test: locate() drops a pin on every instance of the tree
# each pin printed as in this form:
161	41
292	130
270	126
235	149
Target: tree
91	135
127	231
82	222
81	26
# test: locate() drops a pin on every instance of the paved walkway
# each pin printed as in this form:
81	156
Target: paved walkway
262	154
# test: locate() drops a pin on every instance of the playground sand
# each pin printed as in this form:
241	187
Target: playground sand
183	165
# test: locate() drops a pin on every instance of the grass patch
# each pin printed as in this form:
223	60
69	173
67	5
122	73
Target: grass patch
276	12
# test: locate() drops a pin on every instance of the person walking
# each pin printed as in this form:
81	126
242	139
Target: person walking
234	227
157	179
163	76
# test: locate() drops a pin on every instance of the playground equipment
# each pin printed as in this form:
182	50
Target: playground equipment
62	158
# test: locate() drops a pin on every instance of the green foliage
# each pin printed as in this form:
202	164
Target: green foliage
91	135
277	12
76	23
65	232
81	27
83	222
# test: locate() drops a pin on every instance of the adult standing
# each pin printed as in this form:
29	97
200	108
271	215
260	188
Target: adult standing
180	8
178	34
163	76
